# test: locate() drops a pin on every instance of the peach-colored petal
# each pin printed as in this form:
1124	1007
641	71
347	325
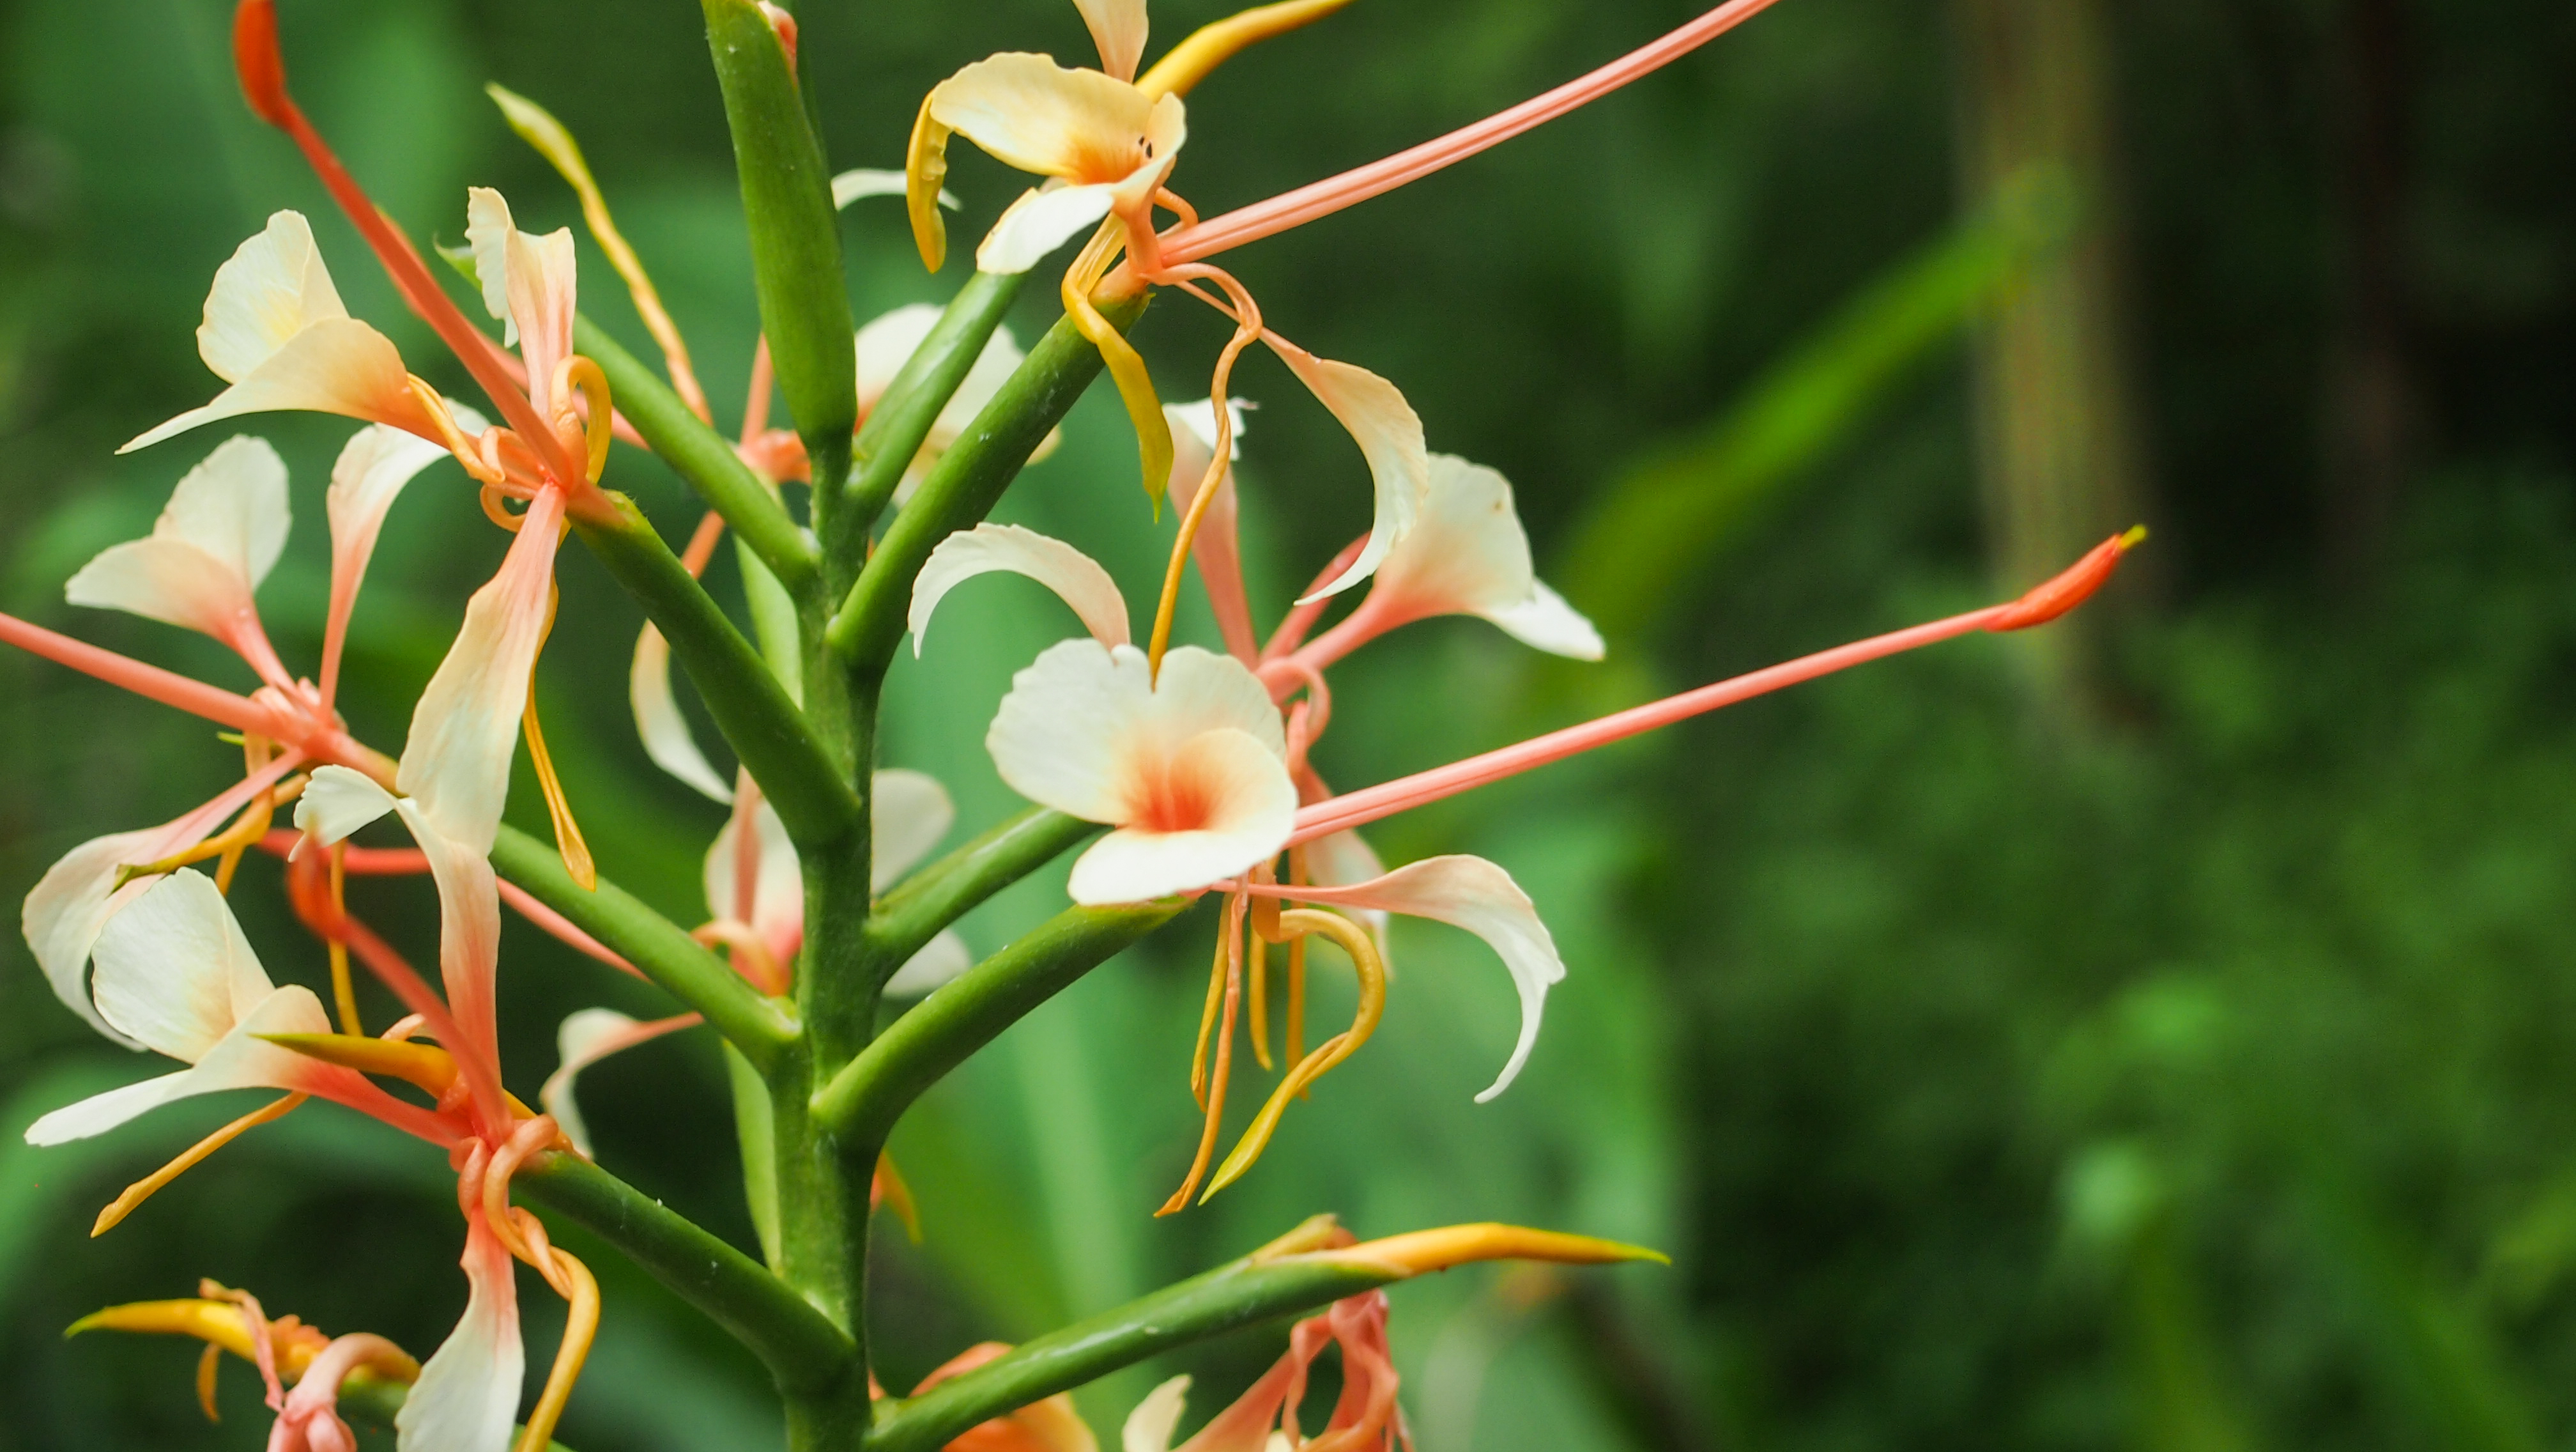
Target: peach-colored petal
373	467
1118	31
1216	548
1077	719
587	1036
468	1392
528	281
335	365
1149	1428
665	732
777	909
939	961
273	287
1468	555
1474	894
1075	577
241	1059
1389	434
1042	220
1217	805
909	812
1037	116
223	528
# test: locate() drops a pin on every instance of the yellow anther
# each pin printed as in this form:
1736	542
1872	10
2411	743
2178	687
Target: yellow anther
1215	43
577	860
1372	975
538	127
150	1185
1454	1245
206	1364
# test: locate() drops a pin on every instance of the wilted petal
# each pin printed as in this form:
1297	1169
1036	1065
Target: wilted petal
1474	894
1080	717
1040	117
1041	221
586	1037
1118	31
940	960
468	1392
908	812
1217	805
665	732
1467	554
1075	577
174	972
273	287
1388	432
337	365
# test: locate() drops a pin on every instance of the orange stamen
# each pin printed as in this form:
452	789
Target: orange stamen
1214	1102
1331	1052
150	1185
1455	1245
568	839
344	990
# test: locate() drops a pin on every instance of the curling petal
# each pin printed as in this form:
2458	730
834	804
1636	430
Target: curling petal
1545	621
1467	554
587	1036
1149	1428
241	1059
335	365
273	287
216	539
865	181
1075	577
174	972
337	802
665	732
1389	434
1040	222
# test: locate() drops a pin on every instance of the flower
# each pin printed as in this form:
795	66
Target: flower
286	1351
1365	1415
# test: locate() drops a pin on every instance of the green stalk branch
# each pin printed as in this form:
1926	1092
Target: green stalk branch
1233	1295
703	457
804	1351
795	237
751	708
911	404
965	484
758	1026
940	894
864	1099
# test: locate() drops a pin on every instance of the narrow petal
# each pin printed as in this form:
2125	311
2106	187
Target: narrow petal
337	802
1474	894
528	282
1118	31
456	762
487	233
586	1037
1040	117
777	909
1075	577
1546	622
224	527
166	580
1040	222
909	812
469	957
665	732
468	1392
940	960
1150	1427
864	181
337	365
1220	804
174	972
1389	434
1074	719
239	1060
272	288
1468	555
371	472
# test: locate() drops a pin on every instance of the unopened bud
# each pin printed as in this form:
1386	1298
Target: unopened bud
2072	587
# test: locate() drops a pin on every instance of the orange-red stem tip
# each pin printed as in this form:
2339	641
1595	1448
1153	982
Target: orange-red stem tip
261	66
2071	587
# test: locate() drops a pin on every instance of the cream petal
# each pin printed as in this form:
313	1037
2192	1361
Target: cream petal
1118	31
241	1059
373	467
165	580
271	288
664	731
1037	116
886	343
1075	577
777	909
1040	222
222	530
487	233
337	802
939	961
542	299
1389	434
909	812
1345	859
866	181
1242	804
468	1392
1073	719
1150	1427
587	1036
1474	894
1546	622
174	972
456	761
336	365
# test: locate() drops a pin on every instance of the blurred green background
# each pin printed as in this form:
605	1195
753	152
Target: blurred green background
2151	1036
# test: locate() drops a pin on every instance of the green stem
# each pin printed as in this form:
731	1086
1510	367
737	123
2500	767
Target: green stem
750	707
940	894
702	457
911	404
861	1103
965	484
1233	1295
760	1027
804	1351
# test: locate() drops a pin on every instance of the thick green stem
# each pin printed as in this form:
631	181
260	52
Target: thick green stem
805	1352
963	487
760	1027
903	417
1233	1295
861	1103
940	894
750	706
702	457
